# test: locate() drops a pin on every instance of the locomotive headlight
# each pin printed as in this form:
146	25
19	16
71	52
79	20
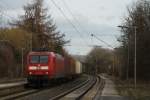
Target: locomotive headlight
32	67
44	67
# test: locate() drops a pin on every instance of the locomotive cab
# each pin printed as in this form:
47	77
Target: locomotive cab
44	66
39	66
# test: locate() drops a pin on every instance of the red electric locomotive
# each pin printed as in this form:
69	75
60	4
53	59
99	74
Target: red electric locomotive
44	66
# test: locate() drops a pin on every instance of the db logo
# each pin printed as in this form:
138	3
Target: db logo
38	67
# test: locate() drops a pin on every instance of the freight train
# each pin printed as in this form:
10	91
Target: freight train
43	67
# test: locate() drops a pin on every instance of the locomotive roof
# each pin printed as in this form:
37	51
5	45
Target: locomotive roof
45	53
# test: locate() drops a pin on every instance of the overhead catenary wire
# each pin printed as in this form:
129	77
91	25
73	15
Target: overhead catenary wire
78	45
102	41
6	15
73	16
67	7
74	27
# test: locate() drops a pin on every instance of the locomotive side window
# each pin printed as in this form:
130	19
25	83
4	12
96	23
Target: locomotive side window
34	59
44	59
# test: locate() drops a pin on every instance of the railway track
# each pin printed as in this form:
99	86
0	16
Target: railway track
93	92
9	88
77	89
31	94
20	94
88	91
100	87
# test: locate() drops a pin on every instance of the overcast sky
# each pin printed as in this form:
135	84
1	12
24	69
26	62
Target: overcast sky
99	17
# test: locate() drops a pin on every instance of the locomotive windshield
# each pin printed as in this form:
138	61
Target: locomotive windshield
34	59
39	59
44	59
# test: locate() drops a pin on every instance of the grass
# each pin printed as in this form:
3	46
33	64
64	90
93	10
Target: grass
126	88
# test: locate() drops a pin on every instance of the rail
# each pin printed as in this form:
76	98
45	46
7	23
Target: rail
52	91
81	89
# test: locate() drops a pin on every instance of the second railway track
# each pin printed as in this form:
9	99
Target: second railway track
76	92
88	91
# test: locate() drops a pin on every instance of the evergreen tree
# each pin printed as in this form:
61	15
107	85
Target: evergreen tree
40	24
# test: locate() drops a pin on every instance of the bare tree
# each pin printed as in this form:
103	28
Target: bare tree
139	17
99	60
